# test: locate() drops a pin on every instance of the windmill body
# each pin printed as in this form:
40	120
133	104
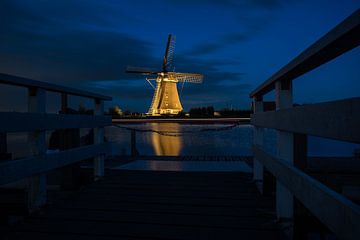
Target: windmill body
166	100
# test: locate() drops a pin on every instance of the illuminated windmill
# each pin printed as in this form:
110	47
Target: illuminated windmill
166	100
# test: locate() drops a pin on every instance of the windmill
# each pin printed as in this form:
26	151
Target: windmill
166	100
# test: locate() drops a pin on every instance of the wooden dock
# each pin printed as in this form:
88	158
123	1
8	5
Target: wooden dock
158	205
128	204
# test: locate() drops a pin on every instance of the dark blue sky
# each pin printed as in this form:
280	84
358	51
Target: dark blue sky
236	44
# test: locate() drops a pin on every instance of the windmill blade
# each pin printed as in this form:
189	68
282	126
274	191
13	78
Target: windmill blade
188	77
169	54
141	70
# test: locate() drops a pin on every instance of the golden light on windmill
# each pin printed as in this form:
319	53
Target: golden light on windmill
166	100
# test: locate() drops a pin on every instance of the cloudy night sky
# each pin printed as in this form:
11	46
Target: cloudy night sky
237	45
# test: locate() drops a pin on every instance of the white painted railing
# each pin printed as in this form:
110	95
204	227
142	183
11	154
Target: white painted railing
335	120
36	121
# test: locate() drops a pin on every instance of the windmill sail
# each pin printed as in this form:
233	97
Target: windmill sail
187	77
141	70
169	54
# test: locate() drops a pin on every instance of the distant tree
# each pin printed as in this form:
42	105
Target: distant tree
210	111
226	112
83	110
127	113
202	112
115	111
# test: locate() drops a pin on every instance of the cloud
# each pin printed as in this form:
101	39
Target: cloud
204	49
232	3
75	47
250	18
80	55
84	44
225	41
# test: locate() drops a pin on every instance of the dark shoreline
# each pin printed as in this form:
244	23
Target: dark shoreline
184	120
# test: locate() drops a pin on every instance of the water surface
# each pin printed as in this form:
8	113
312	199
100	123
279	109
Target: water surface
209	140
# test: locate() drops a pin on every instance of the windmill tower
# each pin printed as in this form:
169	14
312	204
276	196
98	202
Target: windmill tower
166	100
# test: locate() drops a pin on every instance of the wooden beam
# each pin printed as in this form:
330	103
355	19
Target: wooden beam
336	120
14	170
23	122
344	37
99	133
338	213
36	187
258	168
134	152
4	155
64	103
285	151
26	82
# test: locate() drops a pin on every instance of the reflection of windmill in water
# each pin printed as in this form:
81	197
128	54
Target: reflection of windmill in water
166	145
166	99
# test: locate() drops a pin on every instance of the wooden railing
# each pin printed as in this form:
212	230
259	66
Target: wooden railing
335	120
36	122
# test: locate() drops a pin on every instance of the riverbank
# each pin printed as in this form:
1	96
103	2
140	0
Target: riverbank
182	120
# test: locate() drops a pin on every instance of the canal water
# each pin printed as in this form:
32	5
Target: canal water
177	139
184	139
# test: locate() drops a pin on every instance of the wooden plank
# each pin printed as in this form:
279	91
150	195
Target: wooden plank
17	169
247	191
245	211
112	208
196	200
336	120
338	213
344	37
158	218
26	82
64	236
148	230
26	122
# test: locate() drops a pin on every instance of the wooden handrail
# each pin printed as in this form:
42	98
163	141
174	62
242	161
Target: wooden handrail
13	170
337	120
26	122
36	121
334	210
26	82
293	124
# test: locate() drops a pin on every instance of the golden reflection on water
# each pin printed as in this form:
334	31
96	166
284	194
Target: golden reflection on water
166	145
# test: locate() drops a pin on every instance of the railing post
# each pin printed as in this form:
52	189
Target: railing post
285	151
69	138
4	155
134	151
37	142
258	168
300	151
99	138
